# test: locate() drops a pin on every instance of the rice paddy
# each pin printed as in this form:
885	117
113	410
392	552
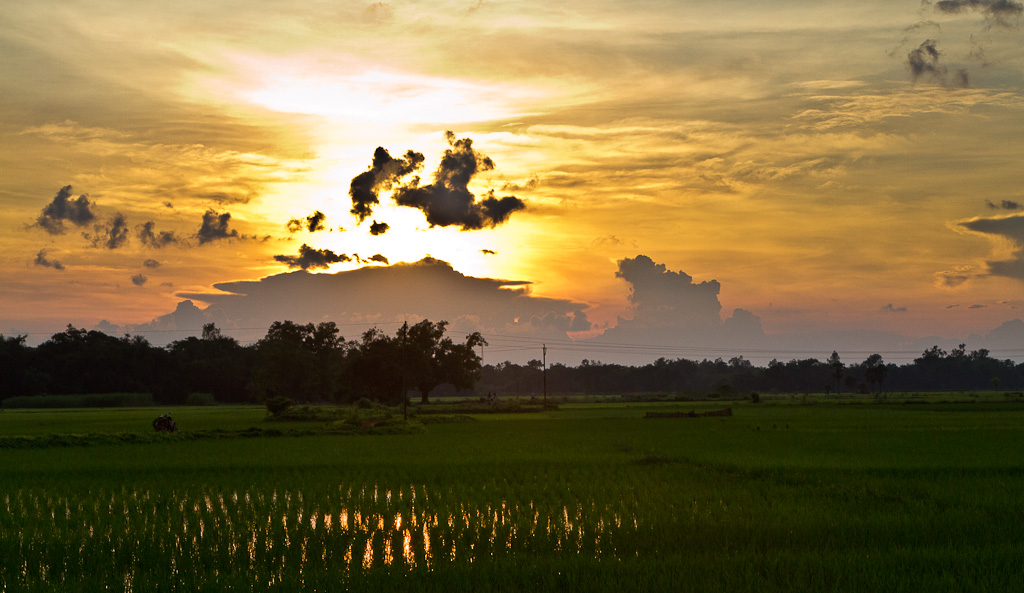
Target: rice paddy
586	498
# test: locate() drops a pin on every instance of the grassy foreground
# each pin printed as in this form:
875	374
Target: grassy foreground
778	497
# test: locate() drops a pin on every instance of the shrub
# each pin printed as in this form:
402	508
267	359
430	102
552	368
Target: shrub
278	405
755	397
200	399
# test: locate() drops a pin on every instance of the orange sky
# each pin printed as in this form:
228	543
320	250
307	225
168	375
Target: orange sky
834	166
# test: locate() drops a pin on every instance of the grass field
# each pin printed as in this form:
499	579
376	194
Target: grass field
591	497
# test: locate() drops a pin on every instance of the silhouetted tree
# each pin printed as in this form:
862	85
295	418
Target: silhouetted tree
15	359
837	368
875	371
214	364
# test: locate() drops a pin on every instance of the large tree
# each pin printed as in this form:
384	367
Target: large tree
430	358
417	357
300	362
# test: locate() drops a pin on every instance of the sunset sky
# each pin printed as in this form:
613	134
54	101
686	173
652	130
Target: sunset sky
704	176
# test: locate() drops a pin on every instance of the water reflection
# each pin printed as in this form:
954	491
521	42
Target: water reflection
270	533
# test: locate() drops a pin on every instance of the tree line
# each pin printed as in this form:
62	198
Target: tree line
305	363
314	363
934	370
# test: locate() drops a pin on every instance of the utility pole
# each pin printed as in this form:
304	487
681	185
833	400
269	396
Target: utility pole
545	375
405	393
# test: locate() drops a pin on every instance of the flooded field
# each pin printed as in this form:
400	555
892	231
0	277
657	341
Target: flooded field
768	500
270	535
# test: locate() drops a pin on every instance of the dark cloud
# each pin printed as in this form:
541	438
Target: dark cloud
889	308
428	289
312	223
41	260
1005	205
379	228
1008	230
488	252
378	258
169	205
978	307
111	234
447	201
151	263
312	259
139	279
924	61
1003	13
384	172
215	227
530	184
148	237
61	208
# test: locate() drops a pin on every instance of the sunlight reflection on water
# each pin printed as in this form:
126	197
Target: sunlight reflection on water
270	533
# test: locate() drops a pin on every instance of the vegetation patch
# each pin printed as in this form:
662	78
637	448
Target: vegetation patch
89	400
91	439
483	407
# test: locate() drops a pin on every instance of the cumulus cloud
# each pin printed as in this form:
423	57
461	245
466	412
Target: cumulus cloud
312	223
379	228
111	234
670	309
215	227
41	260
63	208
378	258
447	201
151	263
660	297
186	319
312	259
139	279
150	238
384	172
428	289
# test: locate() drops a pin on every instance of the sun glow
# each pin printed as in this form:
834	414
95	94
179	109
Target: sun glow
370	94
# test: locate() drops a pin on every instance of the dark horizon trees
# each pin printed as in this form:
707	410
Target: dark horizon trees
314	363
934	371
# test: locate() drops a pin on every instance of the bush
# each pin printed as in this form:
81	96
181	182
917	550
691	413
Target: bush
278	405
200	399
755	397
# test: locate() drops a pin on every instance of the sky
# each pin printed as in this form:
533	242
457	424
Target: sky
618	180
